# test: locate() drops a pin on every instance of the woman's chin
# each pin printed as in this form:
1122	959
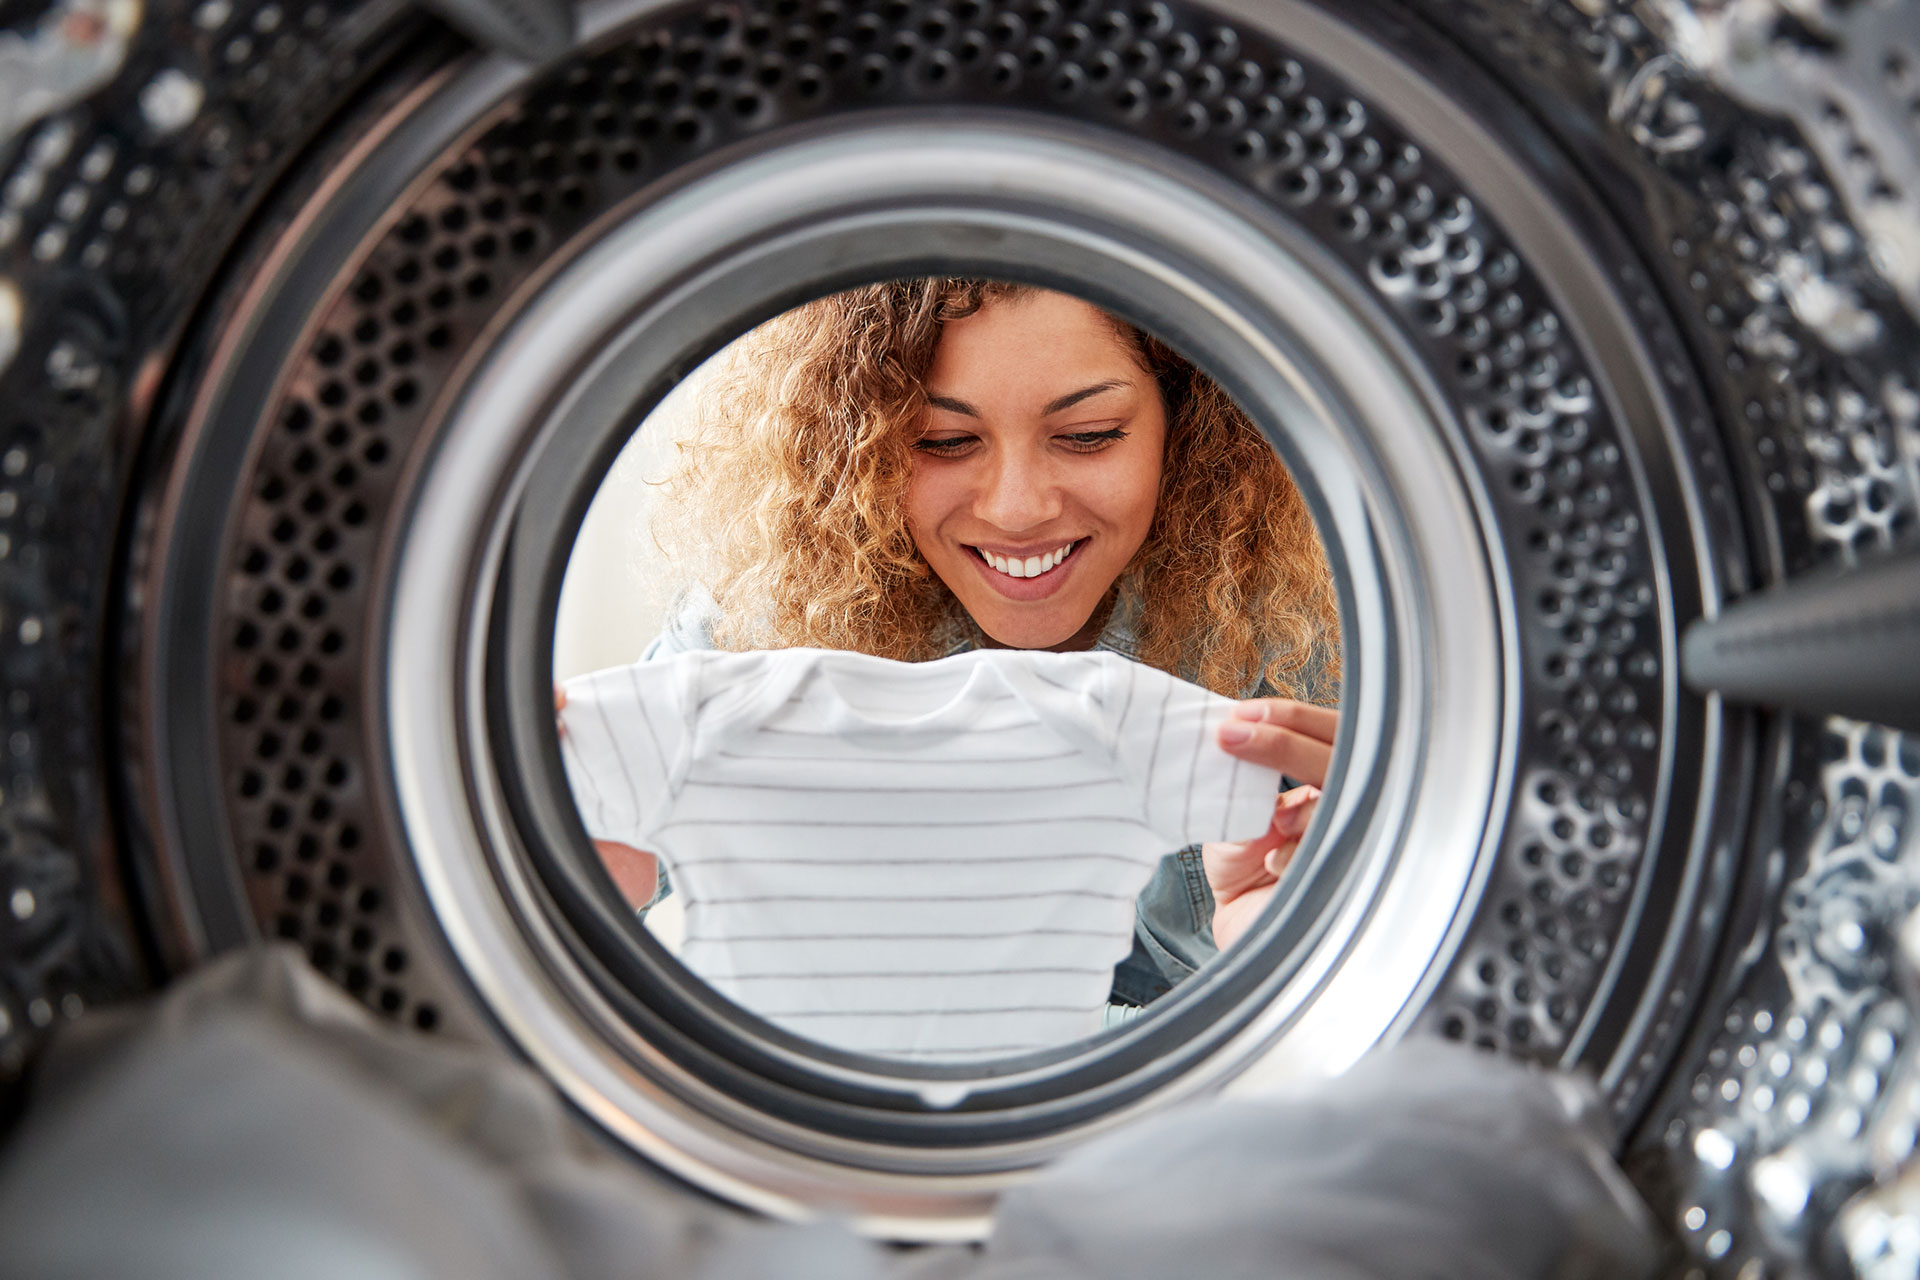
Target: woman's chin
1053	631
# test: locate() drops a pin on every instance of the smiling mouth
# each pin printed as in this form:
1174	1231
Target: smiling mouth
1028	566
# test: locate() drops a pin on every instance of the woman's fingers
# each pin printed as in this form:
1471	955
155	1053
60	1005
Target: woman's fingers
559	698
1303	717
1237	867
1291	815
1250	864
1295	738
1243	875
635	871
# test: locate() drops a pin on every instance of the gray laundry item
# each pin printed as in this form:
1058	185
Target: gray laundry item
255	1121
1426	1161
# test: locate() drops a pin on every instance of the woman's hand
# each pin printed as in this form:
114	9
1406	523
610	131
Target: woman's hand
634	871
1296	739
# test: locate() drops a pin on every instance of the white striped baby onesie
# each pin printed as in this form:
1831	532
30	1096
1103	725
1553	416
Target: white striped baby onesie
927	860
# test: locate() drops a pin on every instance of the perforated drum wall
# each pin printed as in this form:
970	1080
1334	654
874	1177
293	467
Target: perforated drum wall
258	264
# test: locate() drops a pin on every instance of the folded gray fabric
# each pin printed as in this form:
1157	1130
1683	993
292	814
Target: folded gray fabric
255	1121
1427	1161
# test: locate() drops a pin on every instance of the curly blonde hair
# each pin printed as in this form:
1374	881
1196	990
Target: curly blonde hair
788	504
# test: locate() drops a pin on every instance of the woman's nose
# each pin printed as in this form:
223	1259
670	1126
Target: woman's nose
1017	494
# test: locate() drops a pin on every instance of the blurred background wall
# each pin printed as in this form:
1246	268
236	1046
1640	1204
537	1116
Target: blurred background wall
618	585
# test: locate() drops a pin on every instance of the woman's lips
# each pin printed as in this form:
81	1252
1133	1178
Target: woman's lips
1016	566
1050	570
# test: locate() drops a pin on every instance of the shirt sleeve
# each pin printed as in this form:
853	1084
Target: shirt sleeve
1192	790
623	730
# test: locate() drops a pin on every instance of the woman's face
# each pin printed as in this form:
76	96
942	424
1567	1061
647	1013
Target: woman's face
1038	465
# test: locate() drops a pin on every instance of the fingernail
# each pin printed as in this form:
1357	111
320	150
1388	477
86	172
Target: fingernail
1291	822
1249	711
1233	733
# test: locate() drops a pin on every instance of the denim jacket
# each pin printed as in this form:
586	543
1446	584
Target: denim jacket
1173	916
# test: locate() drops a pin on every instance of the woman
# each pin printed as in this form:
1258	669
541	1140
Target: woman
917	468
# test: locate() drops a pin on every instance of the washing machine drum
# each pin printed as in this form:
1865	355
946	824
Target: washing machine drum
1585	331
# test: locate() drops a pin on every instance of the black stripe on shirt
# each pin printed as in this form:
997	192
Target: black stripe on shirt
921	825
692	939
957	897
931	789
1120	723
1193	772
646	716
824	731
613	740
913	862
1067	688
1153	758
1233	789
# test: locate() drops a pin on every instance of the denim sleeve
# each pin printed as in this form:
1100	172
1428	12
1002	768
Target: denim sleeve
1172	930
661	887
689	630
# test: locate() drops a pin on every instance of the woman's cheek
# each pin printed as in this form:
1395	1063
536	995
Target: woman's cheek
915	502
1130	496
924	542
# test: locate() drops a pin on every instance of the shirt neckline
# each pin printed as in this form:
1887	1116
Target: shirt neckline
819	685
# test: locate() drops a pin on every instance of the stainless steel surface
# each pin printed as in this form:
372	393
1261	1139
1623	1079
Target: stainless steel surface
1706	212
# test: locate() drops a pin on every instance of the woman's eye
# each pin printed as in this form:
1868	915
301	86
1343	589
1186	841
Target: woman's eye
1090	440
943	444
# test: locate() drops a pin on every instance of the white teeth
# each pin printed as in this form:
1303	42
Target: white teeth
1031	566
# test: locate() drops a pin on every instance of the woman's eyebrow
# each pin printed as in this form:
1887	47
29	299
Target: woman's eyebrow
954	405
1075	397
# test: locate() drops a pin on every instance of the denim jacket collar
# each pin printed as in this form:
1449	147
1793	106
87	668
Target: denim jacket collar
1118	636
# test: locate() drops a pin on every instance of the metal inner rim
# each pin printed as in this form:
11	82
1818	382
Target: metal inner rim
1206	274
